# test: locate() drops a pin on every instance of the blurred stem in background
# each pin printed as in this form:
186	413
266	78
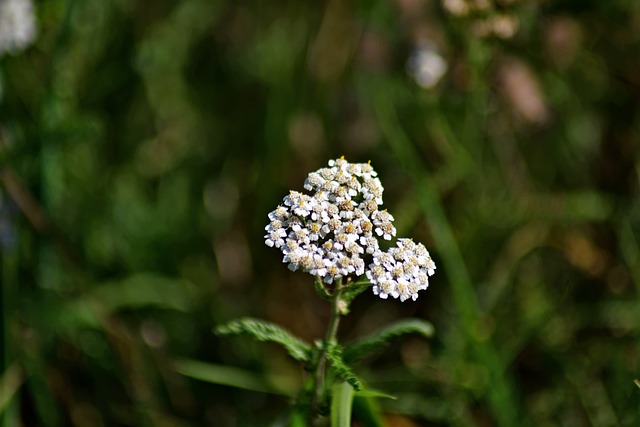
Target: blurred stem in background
11	372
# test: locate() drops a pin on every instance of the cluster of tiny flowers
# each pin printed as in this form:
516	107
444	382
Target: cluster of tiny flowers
401	271
17	25
333	232
329	232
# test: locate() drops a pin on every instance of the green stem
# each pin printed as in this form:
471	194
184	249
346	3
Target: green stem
330	338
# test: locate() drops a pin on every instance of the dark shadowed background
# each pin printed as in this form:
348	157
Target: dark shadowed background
144	143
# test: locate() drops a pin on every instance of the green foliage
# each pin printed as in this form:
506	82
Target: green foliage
335	358
265	331
368	411
341	404
379	339
354	289
298	418
229	376
321	290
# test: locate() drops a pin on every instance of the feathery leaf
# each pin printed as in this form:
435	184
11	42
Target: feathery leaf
334	356
379	339
265	331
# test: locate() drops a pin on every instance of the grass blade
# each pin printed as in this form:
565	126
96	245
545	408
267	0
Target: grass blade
234	377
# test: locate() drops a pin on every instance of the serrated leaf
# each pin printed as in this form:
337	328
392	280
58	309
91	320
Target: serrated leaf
381	338
265	331
334	356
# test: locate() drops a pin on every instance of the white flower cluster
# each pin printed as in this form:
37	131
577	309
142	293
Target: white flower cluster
17	25
334	232
402	271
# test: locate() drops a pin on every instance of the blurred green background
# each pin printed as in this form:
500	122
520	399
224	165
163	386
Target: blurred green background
144	143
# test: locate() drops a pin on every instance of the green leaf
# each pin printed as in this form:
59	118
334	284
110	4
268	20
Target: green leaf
341	404
381	338
374	393
320	288
637	382
367	411
354	289
143	290
226	375
334	356
265	331
298	418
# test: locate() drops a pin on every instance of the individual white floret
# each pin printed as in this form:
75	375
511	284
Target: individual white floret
370	243
366	226
353	186
341	240
280	213
354	248
333	273
293	258
383	226
314	181
431	267
402	290
358	265
368	206
338	163
366	171
315	231
385	288
340	195
376	274
372	190
275	238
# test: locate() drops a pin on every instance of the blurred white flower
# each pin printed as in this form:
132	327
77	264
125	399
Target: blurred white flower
426	65
456	7
18	27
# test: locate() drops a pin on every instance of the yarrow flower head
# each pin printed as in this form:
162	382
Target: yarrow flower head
334	232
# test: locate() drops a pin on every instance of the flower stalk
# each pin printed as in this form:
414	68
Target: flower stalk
331	338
